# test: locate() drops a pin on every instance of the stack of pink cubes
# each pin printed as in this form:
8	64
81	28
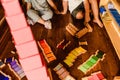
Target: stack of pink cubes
25	44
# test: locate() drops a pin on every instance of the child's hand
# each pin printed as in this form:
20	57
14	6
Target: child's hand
57	12
63	12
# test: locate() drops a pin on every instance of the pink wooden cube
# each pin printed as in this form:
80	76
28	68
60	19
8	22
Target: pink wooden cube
37	74
22	36
31	63
11	7
27	49
17	22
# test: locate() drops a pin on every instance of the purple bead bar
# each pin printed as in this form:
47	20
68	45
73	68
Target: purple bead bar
13	63
14	66
17	69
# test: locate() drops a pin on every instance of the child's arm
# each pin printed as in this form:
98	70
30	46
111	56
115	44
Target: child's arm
87	10
51	3
65	6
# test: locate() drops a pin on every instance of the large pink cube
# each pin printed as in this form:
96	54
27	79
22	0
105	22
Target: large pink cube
37	74
27	49
22	36
11	7
31	63
17	22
